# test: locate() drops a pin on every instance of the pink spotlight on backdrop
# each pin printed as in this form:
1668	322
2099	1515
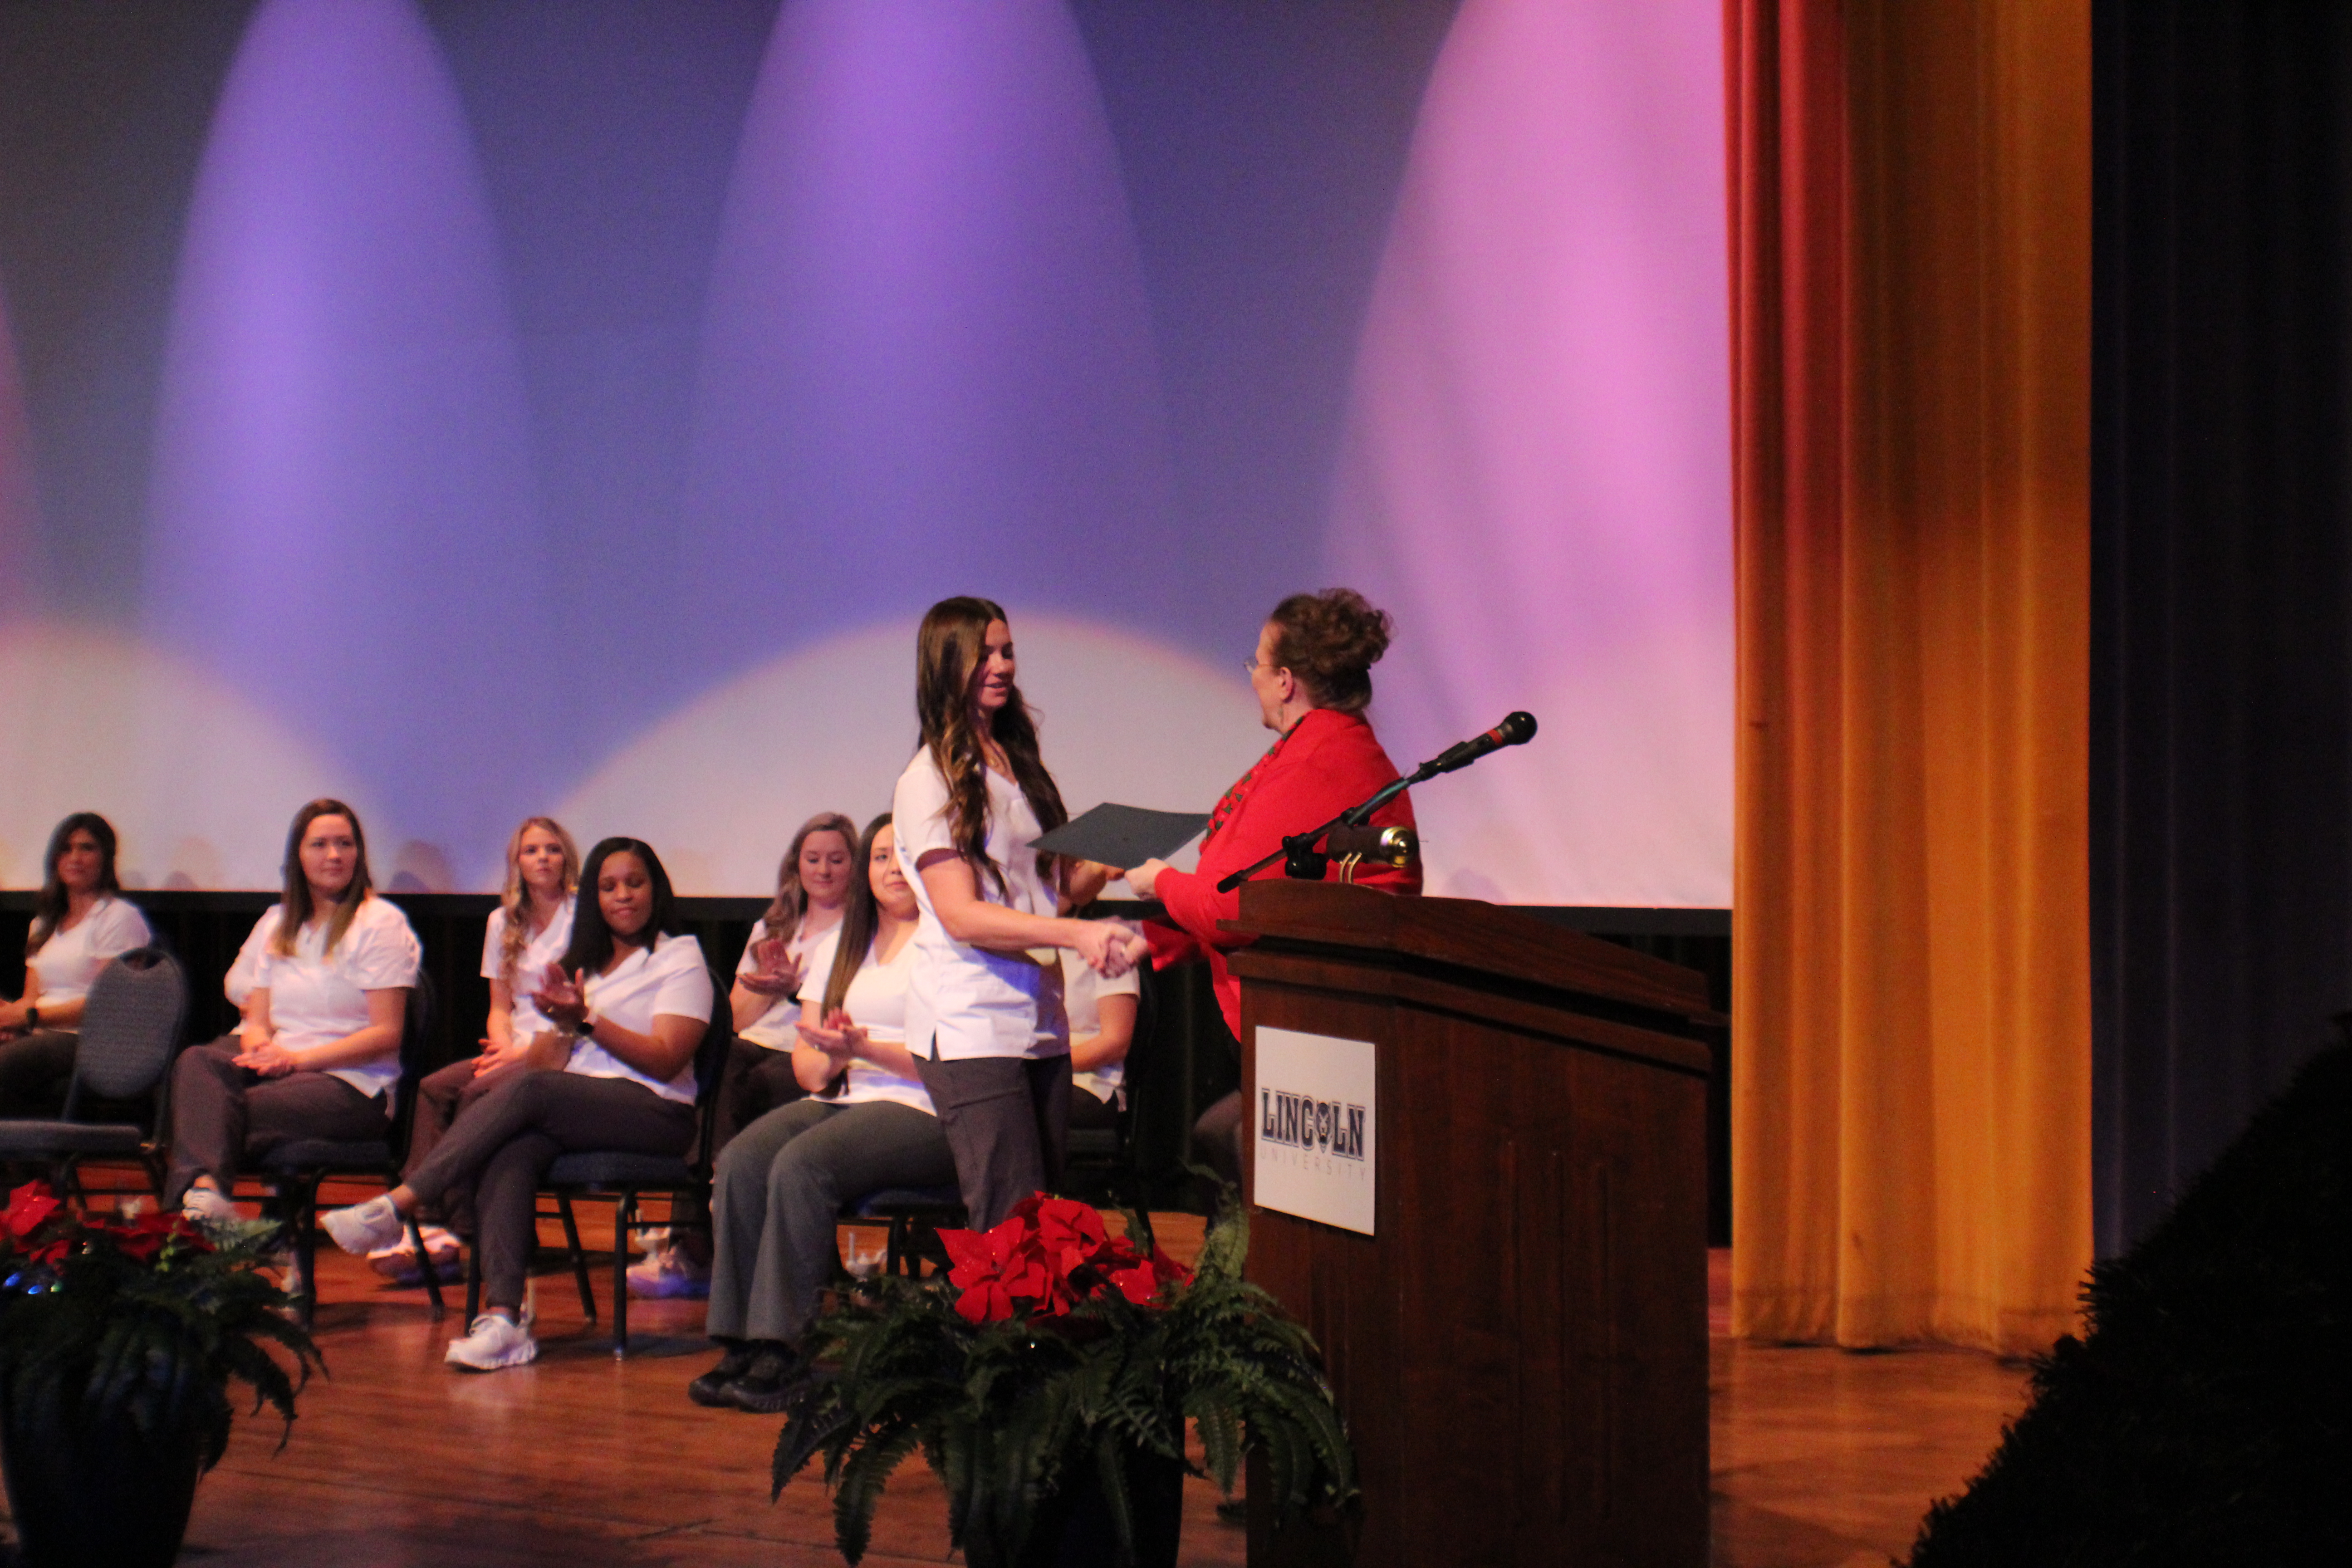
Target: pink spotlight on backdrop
343	520
1535	473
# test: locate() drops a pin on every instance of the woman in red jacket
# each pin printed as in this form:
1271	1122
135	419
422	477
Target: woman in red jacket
1313	678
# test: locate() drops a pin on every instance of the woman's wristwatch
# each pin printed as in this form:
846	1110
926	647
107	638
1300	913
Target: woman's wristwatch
32	1018
586	1027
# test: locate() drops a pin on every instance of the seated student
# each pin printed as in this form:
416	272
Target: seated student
1102	1026
319	1053
530	929
630	1002
81	921
867	1125
812	885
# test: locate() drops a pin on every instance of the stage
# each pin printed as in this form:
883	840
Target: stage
1820	1457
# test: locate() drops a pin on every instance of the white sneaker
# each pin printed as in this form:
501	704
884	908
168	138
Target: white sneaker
363	1228
208	1205
495	1341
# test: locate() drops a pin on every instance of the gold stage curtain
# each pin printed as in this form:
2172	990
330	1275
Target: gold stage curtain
1911	229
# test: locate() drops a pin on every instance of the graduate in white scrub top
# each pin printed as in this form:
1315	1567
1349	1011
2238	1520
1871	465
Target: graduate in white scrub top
866	1126
81	921
813	886
1102	1027
318	1052
530	929
984	1014
631	999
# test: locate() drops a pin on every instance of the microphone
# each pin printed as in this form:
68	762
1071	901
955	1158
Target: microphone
1516	730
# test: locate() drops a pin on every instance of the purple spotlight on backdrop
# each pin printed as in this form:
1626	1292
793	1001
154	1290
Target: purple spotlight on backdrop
927	359
344	515
20	586
1536	475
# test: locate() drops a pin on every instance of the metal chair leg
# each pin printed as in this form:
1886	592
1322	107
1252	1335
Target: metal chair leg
303	1215
473	1281
431	1270
623	1212
579	1257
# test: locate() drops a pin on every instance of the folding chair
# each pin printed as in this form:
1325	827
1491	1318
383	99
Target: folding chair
915	1216
130	1031
295	1168
623	1178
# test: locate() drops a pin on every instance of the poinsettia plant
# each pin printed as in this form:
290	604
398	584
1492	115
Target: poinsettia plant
1049	1256
146	1319
1053	1354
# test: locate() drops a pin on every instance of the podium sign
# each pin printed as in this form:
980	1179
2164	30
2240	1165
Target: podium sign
1316	1122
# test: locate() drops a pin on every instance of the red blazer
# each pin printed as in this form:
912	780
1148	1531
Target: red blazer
1328	763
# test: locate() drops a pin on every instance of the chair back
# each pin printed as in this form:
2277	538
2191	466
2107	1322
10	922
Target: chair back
416	1040
130	1026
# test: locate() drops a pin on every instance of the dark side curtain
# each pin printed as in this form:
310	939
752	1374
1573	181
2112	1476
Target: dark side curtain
2222	559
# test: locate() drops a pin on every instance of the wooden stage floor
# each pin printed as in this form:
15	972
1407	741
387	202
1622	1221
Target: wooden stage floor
1820	1458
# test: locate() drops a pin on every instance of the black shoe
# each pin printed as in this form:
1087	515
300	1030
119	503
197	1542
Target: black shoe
766	1386
710	1388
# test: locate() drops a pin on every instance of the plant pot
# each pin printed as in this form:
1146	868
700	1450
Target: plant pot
1075	1528
102	1497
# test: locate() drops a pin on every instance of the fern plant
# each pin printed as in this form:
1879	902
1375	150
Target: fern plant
143	1321
1050	1353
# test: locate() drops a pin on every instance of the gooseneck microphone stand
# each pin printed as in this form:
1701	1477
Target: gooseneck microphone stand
1303	859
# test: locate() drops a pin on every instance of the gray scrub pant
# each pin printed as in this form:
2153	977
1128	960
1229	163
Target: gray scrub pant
223	1114
1008	1120
503	1143
778	1194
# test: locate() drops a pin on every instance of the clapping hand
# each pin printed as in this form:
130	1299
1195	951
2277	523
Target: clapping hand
777	974
837	1037
494	1056
563	998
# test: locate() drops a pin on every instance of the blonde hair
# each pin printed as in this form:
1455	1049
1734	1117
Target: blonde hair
515	898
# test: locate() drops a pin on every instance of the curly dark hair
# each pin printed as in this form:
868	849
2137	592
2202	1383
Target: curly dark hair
1331	641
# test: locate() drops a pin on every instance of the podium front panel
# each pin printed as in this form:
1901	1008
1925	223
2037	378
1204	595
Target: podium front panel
1520	1347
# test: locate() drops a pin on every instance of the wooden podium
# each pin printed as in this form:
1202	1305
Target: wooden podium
1520	1346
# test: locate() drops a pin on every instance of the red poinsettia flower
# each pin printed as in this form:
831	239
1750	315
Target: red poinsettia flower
30	1207
1143	1283
997	1271
1071	1233
146	1236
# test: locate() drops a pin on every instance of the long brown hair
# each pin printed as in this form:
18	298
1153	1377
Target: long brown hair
49	911
515	898
948	650
861	917
297	895
783	916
